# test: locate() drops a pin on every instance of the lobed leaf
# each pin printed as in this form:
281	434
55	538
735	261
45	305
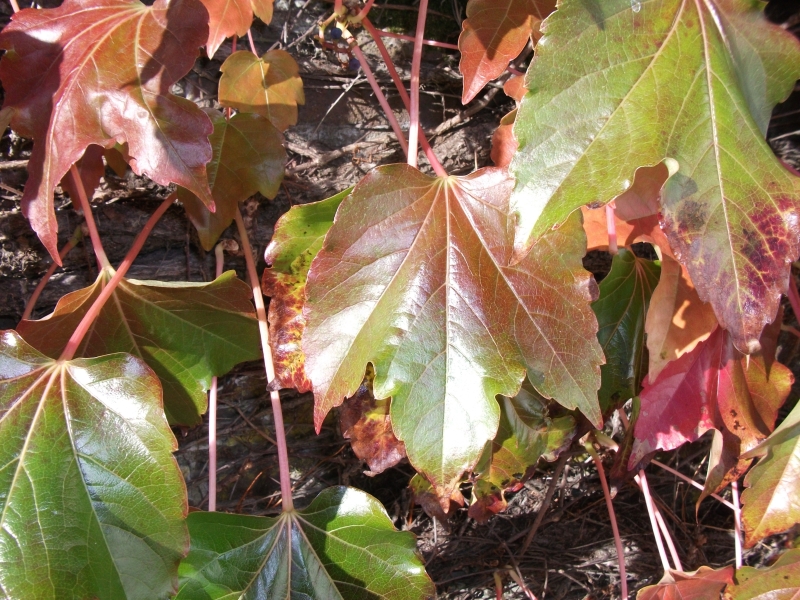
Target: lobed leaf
781	581
604	100
99	72
225	19
343	546
93	503
703	584
413	277
186	332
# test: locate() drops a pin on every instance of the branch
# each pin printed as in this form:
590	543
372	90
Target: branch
416	62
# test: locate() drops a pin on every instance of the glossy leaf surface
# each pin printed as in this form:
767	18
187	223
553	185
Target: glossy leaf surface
297	240
493	34
99	72
772	498
91	495
248	157
703	584
730	211
621	309
185	332
269	86
225	19
781	581
343	546
446	322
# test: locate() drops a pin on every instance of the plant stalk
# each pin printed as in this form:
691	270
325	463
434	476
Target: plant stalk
416	62
400	36
641	479
263	329
737	523
73	241
97	245
14	5
611	224
219	253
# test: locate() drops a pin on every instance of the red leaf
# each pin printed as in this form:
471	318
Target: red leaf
504	144
494	33
91	169
703	584
226	18
515	88
99	72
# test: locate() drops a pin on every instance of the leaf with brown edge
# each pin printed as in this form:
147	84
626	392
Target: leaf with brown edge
297	239
248	157
93	72
225	19
117	158
712	387
263	9
526	433
780	581
422	493
186	332
447	324
504	144
365	421
703	584
677	319
269	86
772	498
493	34
515	88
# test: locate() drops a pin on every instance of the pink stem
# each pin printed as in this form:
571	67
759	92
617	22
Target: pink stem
690	481
641	479
676	560
51	269
337	7
398	131
219	252
400	36
416	62
611	223
612	517
794	297
252	43
737	524
89	318
97	245
261	312
364	11
14	5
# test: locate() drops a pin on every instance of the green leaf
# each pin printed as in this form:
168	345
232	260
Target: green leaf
781	581
604	99
772	498
342	546
621	311
414	278
93	503
297	240
248	157
186	332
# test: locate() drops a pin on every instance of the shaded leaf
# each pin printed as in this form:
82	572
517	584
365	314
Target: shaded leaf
677	319
91	169
225	19
526	434
248	157
446	323
343	546
703	584
494	33
422	493
269	86
504	144
186	332
117	158
297	239
92	497
99	72
730	211
5	118
621	309
781	581
263	9
514	87
772	498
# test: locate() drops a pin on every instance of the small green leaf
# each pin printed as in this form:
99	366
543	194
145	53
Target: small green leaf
343	546
781	581
621	311
93	503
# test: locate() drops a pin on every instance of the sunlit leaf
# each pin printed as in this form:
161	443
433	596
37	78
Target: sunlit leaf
186	332
93	502
703	584
343	547
494	33
263	9
621	309
414	278
297	239
504	144
248	157
269	86
781	581
99	72
225	19
605	99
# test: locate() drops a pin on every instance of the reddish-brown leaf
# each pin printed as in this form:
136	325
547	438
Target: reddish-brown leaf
270	86
226	18
494	33
91	169
703	584
504	144
515	88
423	494
99	72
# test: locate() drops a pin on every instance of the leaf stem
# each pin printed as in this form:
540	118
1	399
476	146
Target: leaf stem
690	481
94	310
548	498
73	241
252	43
263	329
364	11
416	62
611	224
14	5
400	36
737	524
641	479
97	244
219	253
673	552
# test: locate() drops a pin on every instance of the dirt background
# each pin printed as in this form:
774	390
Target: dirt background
341	135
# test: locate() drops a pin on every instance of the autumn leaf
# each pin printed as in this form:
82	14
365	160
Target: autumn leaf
90	169
593	116
225	19
703	584
446	323
297	240
248	157
342	547
99	72
269	86
91	493
263	9
781	581
186	332
423	494
494	33
514	87
504	144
